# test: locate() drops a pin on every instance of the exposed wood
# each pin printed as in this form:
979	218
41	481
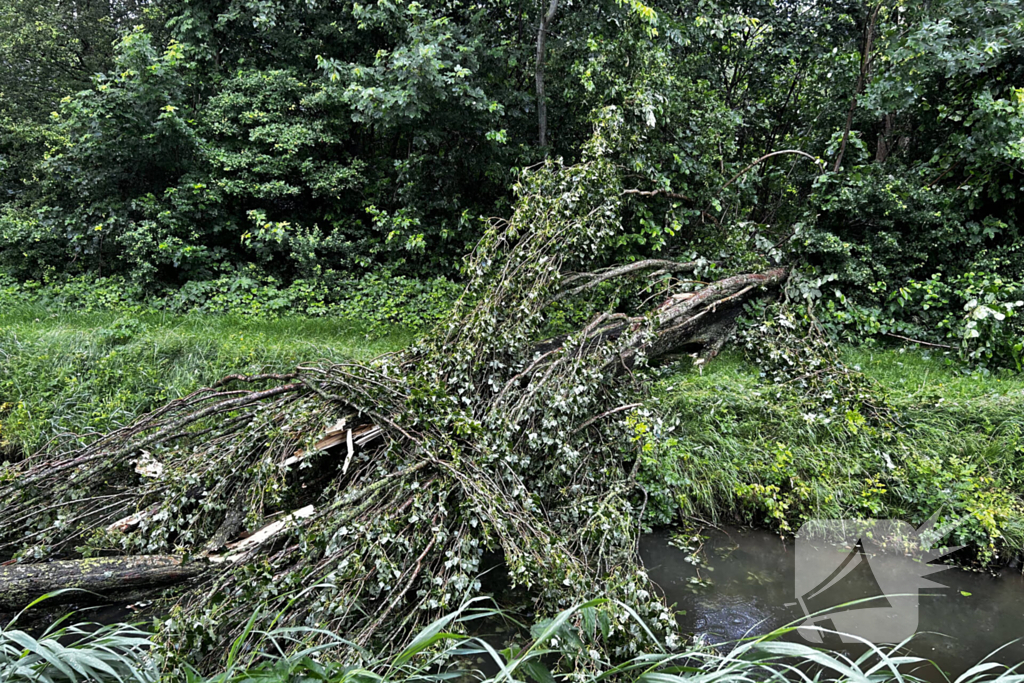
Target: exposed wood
351	452
682	321
239	549
697	318
20	584
148	466
698	321
131	522
359	436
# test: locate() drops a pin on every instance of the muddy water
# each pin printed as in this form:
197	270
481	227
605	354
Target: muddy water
742	583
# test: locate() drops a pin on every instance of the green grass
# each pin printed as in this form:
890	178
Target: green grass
957	448
70	376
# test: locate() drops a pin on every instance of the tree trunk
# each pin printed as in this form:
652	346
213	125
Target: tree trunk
20	584
542	107
865	66
884	137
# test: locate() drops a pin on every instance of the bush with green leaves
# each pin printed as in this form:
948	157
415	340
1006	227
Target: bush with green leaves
379	301
872	145
976	316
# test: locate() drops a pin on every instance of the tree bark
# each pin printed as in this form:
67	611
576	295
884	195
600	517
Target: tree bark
542	107
20	584
884	135
703	319
865	63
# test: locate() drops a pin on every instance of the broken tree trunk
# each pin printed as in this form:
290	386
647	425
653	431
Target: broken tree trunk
101	577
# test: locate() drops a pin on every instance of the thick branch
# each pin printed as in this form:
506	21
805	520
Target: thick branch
681	321
20	584
717	293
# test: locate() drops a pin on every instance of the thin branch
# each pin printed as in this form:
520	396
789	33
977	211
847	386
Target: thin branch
255	378
816	161
604	415
648	264
918	341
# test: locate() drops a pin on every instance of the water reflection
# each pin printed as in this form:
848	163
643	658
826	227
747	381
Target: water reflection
742	583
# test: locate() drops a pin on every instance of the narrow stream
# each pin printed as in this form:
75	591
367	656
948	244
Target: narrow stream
743	583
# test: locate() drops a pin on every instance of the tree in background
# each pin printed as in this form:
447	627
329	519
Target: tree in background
875	145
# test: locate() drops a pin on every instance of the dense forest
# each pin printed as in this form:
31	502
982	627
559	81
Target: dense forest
184	146
570	209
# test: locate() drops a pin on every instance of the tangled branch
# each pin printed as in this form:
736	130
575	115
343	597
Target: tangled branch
368	493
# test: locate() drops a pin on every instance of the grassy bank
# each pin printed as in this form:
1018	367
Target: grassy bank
71	375
745	450
739	452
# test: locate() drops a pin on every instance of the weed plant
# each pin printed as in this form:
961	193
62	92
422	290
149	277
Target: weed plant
75	653
558	650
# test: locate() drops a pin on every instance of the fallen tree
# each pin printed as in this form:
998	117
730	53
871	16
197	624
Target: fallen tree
361	497
83	580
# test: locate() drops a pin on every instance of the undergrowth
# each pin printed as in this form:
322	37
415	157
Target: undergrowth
748	449
68	652
552	651
548	651
376	302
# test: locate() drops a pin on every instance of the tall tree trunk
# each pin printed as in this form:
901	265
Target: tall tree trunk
884	135
865	64
542	107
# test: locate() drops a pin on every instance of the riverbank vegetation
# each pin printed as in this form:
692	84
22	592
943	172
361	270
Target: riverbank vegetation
441	652
736	452
747	449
